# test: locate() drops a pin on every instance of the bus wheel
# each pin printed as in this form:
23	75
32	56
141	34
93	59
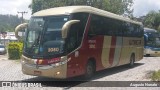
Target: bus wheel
90	69
147	55
132	60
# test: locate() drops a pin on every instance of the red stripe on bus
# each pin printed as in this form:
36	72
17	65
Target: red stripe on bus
120	52
112	50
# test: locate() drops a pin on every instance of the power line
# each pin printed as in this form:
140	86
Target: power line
22	15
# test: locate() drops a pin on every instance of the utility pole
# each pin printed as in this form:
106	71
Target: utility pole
22	15
101	4
89	2
22	21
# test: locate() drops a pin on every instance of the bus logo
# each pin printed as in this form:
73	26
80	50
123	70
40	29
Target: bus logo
6	84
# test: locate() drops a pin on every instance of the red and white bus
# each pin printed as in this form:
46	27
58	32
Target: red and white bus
70	41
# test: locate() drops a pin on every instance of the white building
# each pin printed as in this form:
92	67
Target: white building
10	36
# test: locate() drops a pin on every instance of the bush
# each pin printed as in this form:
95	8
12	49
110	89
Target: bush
15	50
156	76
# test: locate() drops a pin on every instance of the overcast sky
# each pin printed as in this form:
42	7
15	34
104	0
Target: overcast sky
13	6
141	7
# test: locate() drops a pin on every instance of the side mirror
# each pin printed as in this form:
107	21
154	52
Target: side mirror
145	37
67	26
18	28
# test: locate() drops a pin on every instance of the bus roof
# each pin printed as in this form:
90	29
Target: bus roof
88	9
149	30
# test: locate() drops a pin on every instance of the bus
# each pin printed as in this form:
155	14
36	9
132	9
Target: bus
71	41
151	42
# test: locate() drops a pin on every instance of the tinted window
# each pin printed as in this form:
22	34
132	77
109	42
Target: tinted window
132	30
111	27
105	26
76	31
54	27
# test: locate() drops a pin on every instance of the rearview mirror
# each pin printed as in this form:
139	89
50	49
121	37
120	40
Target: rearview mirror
145	37
67	26
18	28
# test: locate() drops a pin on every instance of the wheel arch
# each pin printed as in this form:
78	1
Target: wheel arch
93	60
134	54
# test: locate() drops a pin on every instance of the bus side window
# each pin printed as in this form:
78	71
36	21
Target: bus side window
76	31
92	30
96	26
72	38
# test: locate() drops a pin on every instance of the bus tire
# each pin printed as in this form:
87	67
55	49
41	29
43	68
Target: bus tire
90	69
147	55
132	60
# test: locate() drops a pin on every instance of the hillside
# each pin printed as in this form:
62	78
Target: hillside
8	22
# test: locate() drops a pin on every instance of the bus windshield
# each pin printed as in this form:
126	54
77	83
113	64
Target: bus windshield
153	39
44	37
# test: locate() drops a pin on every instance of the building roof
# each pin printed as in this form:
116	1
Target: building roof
67	10
10	36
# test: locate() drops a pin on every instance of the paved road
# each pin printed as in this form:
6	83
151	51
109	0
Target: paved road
11	71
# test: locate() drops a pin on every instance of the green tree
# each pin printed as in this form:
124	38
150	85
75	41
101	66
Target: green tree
121	7
152	20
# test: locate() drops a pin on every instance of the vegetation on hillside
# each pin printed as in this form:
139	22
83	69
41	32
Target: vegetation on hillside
152	20
8	22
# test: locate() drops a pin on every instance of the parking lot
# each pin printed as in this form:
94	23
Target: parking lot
10	70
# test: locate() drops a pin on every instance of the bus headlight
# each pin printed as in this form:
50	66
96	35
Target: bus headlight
23	61
57	73
63	58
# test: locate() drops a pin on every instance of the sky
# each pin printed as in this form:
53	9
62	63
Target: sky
141	7
14	6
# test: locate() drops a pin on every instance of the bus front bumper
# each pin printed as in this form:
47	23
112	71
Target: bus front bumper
151	52
58	70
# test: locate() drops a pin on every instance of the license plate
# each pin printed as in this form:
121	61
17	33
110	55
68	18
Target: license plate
37	72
